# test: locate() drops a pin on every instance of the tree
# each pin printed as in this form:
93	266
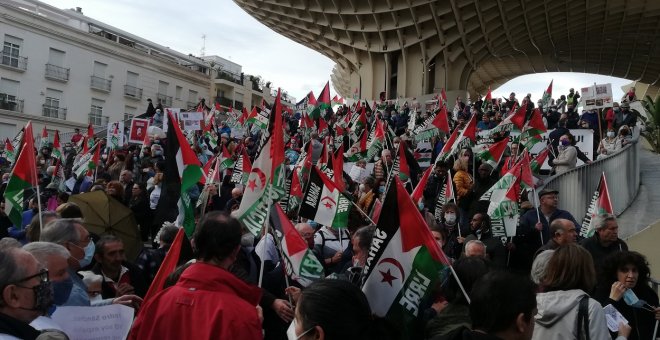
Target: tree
652	121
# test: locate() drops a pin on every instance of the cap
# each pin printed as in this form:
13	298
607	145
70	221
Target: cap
224	135
625	105
547	191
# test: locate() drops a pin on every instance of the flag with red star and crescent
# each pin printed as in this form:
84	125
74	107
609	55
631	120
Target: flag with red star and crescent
323	202
265	183
403	263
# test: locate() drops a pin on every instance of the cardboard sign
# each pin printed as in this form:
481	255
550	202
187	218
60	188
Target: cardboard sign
115	135
138	130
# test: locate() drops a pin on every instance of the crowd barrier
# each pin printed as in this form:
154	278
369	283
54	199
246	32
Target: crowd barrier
576	187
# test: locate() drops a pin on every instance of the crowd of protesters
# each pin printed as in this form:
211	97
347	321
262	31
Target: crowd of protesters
216	294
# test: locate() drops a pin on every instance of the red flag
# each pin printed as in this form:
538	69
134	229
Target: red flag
536	122
90	132
338	168
470	130
208	169
518	119
277	143
217	106
25	161
168	266
538	161
441	121
324	96
404	170
495	151
419	189
44	134
449	143
443	94
244	116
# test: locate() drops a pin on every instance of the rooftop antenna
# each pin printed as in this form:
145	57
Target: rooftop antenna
203	51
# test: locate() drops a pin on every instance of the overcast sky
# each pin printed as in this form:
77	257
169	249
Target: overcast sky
233	34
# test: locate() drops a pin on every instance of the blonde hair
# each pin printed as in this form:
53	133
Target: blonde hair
460	164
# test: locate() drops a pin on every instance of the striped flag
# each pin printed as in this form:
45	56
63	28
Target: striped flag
403	263
23	176
183	168
323	202
300	262
600	204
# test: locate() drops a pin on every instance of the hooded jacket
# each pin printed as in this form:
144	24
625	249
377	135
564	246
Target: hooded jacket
557	316
208	302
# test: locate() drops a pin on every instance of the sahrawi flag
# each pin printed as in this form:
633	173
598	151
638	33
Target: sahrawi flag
266	180
242	168
86	163
57	146
600	204
432	126
323	203
515	119
23	176
358	150
403	263
300	262
182	161
494	153
446	195
258	117
547	95
377	140
10	152
400	167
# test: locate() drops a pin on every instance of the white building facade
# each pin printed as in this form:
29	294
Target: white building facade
64	70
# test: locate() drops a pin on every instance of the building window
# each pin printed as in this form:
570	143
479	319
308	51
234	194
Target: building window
177	95
8	95
96	113
52	105
129	112
11	51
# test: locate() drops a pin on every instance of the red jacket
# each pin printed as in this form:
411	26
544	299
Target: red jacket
208	302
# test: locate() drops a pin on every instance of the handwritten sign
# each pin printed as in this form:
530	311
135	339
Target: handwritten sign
110	322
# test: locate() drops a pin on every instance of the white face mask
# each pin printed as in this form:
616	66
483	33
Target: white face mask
450	218
610	134
291	331
95	299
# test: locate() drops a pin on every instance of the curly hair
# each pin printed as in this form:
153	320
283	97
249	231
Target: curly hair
618	260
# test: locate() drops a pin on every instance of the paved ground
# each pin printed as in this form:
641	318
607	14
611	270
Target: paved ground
639	225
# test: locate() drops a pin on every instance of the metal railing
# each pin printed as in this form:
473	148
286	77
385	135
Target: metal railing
54	72
10	103
576	186
191	106
164	99
98	120
13	61
234	78
224	101
101	84
132	92
54	112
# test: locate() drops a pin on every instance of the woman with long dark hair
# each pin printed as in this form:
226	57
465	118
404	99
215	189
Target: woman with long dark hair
625	278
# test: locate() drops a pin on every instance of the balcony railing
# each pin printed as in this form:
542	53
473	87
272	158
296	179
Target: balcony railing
132	92
98	120
234	78
224	101
164	99
14	62
191	105
257	87
57	73
10	103
54	112
101	84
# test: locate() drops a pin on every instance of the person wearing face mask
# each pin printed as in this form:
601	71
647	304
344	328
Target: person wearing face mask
567	157
609	145
71	234
450	218
53	257
26	294
337	310
625	116
623	283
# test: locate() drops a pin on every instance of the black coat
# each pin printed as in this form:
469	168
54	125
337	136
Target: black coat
135	274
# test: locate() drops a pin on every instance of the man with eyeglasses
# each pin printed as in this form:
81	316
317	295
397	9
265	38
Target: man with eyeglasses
72	235
26	294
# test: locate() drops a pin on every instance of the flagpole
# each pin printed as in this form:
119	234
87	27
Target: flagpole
267	227
538	215
41	222
460	285
278	243
362	212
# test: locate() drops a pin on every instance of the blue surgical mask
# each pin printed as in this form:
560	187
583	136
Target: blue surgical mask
62	290
89	254
381	189
420	206
565	142
630	298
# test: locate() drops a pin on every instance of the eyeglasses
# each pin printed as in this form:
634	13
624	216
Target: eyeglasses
42	275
